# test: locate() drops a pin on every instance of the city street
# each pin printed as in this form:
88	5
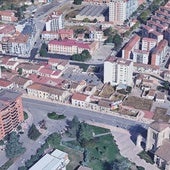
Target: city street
39	109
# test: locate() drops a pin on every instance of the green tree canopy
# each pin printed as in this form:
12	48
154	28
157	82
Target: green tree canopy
13	146
33	132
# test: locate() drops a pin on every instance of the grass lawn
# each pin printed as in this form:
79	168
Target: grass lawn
102	151
98	130
145	155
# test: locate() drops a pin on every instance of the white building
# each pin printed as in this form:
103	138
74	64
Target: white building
56	160
120	10
117	11
118	70
54	22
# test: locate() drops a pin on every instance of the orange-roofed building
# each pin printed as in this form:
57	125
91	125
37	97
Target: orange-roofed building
11	111
159	53
130	47
80	100
8	16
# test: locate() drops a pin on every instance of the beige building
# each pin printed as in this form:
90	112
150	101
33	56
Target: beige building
47	92
70	47
158	142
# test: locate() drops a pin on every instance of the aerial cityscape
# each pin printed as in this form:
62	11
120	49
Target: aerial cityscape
85	85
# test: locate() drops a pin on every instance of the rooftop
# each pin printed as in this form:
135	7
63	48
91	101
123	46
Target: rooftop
163	151
132	42
117	60
93	10
4	82
68	42
79	96
159	125
47	88
8	96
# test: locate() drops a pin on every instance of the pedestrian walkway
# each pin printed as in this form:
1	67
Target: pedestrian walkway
127	148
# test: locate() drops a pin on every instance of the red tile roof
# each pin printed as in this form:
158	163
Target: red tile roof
4	82
132	42
79	96
68	42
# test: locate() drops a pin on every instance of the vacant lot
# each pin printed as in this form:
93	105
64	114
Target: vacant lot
138	103
160	114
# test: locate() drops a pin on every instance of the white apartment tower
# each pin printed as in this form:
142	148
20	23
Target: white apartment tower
120	10
54	22
117	11
118	70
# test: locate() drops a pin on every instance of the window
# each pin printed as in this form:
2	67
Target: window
154	135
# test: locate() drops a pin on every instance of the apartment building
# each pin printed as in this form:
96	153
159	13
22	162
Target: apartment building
8	16
141	56
60	34
117	12
118	70
158	26
133	44
6	84
11	111
158	142
148	43
17	45
70	47
54	21
159	53
120	10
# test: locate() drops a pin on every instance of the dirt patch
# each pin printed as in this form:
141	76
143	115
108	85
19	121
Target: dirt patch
138	103
160	114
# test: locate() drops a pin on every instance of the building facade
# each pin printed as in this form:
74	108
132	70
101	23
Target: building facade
70	47
54	22
11	111
118	70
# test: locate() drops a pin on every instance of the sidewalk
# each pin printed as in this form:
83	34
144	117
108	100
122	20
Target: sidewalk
127	148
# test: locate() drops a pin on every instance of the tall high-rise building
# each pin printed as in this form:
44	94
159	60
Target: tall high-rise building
120	10
117	11
118	70
11	111
54	22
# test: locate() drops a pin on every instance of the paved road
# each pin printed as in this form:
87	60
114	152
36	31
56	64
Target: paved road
41	107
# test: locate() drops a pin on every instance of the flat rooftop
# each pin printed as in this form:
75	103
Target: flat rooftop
93	10
7	96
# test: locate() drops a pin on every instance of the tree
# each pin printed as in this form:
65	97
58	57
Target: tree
73	126
95	20
77	2
54	140
13	146
107	31
117	40
33	132
86	20
43	50
84	134
20	71
85	55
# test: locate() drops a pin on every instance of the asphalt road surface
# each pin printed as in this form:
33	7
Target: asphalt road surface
42	107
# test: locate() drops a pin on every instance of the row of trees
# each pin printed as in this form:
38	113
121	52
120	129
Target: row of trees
84	56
